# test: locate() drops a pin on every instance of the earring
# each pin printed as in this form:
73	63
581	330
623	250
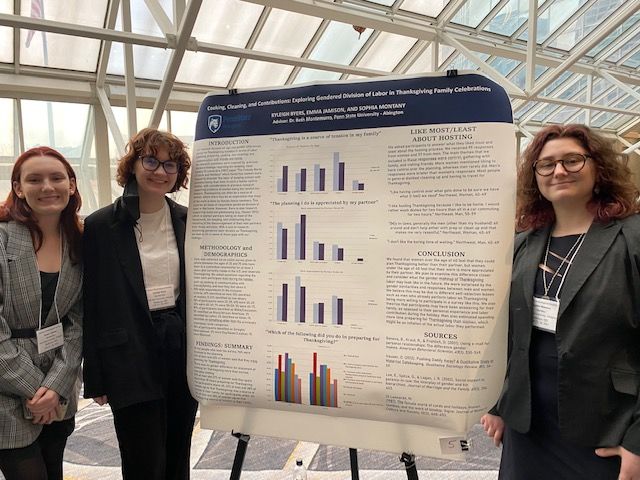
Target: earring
596	189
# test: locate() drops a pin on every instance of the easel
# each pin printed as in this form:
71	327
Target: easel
243	440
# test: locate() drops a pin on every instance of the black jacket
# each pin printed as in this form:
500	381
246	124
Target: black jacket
120	359
597	337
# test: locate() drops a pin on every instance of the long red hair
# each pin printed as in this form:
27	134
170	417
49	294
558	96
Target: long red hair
17	209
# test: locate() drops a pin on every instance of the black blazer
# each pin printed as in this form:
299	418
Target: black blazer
597	335
120	360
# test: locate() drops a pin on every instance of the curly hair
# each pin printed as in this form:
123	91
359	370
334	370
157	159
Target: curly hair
148	141
614	197
17	209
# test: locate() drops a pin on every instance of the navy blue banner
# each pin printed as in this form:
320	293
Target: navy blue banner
348	106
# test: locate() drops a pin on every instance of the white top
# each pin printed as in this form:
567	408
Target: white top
158	250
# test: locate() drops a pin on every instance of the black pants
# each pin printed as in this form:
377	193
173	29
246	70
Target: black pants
42	460
155	437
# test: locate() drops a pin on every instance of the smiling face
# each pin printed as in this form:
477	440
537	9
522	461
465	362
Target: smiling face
45	185
563	188
156	183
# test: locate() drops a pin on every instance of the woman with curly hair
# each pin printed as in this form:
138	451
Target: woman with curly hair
134	332
40	315
569	408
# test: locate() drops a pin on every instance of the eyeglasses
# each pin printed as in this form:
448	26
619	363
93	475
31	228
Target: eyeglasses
151	164
572	163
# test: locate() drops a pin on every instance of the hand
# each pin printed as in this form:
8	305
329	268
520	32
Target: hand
44	419
45	400
102	400
494	426
629	462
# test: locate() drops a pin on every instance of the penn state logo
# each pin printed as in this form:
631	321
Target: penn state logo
215	122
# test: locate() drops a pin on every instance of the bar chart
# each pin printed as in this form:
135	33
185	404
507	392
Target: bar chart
320	311
287	383
323	389
319	172
322	250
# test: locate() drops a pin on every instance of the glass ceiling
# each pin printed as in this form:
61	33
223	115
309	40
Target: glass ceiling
587	51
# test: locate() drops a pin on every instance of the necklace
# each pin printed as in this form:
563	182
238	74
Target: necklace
567	259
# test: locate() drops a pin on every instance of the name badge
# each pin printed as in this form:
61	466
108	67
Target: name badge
545	313
160	297
49	338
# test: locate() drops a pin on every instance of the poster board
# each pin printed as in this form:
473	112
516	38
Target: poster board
348	259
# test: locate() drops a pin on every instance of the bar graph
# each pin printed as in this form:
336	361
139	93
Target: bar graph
301	176
323	390
318	310
320	249
287	384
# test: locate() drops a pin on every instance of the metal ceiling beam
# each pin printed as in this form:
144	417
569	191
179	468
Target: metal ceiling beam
129	72
521	29
178	11
16	40
449	12
182	39
105	47
111	121
491	72
161	18
628	55
257	29
532	40
611	79
491	15
632	148
604	29
411	56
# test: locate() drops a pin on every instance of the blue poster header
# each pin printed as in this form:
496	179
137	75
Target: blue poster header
466	98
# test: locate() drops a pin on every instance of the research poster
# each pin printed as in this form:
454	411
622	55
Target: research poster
349	253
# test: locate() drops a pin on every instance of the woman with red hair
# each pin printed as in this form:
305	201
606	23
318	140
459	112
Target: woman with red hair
40	315
570	408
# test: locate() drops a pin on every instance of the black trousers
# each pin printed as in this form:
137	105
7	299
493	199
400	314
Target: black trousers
155	437
42	460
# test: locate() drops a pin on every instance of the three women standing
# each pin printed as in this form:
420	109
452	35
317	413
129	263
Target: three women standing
134	328
570	404
40	315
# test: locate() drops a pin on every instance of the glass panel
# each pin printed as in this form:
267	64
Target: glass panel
577	86
423	62
340	43
387	50
307	75
148	62
6	38
563	115
206	69
583	25
504	65
142	20
445	52
633	61
432	8
610	97
79	12
553	17
520	78
287	33
602	119
564	77
8	145
613	36
599	86
621	121
52	50
257	74
386	3
473	11
626	102
183	125
509	19
232	23
544	113
523	110
463	63
626	48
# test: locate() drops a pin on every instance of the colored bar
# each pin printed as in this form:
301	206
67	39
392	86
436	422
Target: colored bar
315	376
316	178
297	241
285	178
283	253
323	383
279	308
297	300
303	180
316	251
279	185
303	236
334	309
335	394
321	251
315	313
321	313
341	176
299	391
312	389
287	372
336	161
361	186
327	388
279	241
340	254
297	182
302	303
355	185
340	306
334	252
285	294
322	179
